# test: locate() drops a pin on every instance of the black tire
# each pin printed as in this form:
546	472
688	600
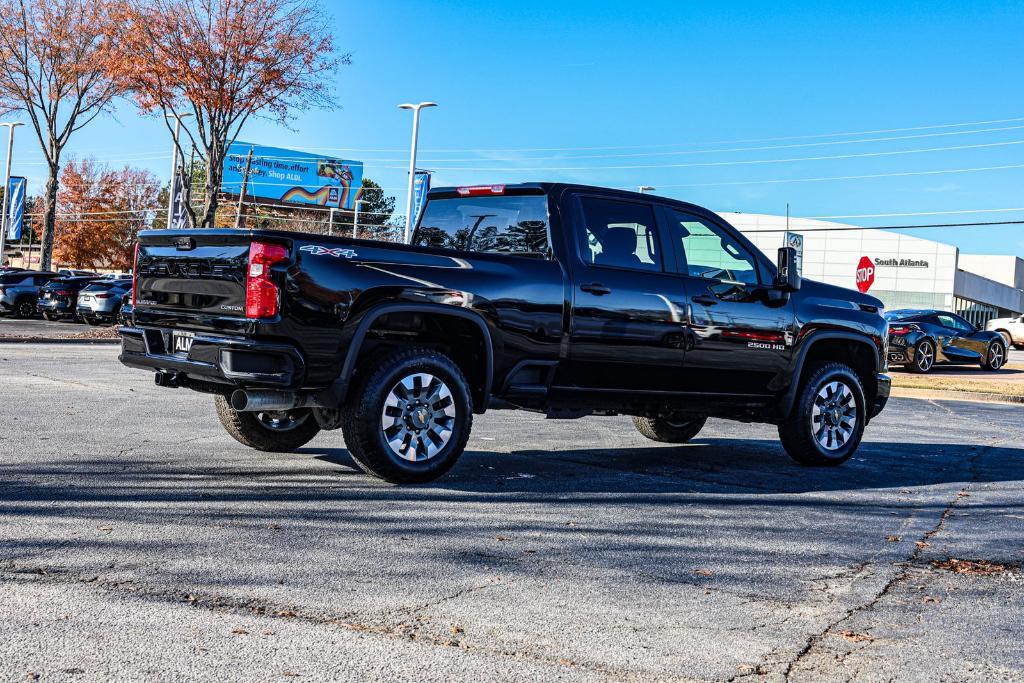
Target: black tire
364	416
995	357
91	321
25	308
800	432
48	317
255	430
924	357
666	430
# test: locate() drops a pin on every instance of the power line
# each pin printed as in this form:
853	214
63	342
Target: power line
705	164
845	228
898	174
917	213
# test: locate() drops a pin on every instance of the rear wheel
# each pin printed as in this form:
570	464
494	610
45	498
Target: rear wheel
827	421
667	430
279	431
924	357
995	357
90	320
408	419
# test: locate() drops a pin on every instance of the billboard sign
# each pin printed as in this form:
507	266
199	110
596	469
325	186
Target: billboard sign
15	208
420	187
291	177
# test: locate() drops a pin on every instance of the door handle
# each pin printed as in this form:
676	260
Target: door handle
705	300
596	288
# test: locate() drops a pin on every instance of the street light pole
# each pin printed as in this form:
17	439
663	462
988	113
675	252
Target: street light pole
7	187
172	195
412	161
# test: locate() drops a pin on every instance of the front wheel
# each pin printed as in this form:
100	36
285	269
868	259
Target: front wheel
25	308
408	419
667	430
924	357
827	421
279	431
995	357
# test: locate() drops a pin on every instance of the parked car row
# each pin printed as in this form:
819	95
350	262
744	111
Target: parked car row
82	296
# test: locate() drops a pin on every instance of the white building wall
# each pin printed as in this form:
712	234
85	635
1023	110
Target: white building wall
832	253
1009	270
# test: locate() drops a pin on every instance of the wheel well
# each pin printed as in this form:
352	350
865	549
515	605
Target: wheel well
858	355
459	338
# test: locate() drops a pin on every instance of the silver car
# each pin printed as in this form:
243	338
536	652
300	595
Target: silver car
100	302
19	291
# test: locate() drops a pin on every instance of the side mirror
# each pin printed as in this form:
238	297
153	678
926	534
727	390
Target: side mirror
788	278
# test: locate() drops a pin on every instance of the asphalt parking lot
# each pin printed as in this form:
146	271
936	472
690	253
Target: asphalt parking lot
138	540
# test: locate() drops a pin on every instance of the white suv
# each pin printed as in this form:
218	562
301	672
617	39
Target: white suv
1012	329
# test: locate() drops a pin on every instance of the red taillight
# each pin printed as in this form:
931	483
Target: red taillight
135	275
899	331
260	290
104	295
476	190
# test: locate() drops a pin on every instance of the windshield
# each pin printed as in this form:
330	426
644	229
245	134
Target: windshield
505	224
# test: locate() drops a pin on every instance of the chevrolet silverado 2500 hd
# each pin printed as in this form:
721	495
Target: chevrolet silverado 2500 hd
561	299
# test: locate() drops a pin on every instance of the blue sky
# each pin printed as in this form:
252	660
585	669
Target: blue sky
710	102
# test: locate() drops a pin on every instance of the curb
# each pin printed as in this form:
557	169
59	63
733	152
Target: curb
975	396
58	340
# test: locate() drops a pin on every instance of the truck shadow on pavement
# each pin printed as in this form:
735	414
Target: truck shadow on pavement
718	465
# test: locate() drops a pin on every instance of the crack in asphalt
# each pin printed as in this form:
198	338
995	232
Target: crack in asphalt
905	567
413	629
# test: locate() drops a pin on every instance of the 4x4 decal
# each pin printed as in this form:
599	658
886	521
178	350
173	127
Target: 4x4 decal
317	250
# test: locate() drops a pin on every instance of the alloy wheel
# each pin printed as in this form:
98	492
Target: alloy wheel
418	417
925	356
834	416
281	420
996	356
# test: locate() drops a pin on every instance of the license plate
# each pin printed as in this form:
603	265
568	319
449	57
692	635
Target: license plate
181	342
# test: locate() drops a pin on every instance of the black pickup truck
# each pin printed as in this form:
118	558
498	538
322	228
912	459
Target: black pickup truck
561	299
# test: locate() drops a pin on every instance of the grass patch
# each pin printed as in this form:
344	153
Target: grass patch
941	380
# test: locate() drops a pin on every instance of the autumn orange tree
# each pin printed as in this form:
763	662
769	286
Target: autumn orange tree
51	69
100	213
221	63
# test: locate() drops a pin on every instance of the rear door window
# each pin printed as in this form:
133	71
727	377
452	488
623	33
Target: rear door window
618	234
511	224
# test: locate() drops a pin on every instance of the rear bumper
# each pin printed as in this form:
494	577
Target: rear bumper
59	307
213	358
884	383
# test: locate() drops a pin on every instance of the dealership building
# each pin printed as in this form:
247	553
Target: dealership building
902	270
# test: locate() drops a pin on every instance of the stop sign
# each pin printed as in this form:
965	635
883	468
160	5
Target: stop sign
865	274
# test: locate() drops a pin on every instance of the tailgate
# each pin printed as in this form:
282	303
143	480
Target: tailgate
200	272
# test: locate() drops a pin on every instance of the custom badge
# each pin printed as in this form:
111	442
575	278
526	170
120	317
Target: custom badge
317	250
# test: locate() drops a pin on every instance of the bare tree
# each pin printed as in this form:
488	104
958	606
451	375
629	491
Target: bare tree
222	62
52	70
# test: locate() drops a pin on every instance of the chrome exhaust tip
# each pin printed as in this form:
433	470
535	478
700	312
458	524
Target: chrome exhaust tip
258	401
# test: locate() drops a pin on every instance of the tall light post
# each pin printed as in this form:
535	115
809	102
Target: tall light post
7	187
355	216
644	189
172	195
412	161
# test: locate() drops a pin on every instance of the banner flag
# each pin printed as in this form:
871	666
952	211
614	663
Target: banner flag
16	208
420	187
